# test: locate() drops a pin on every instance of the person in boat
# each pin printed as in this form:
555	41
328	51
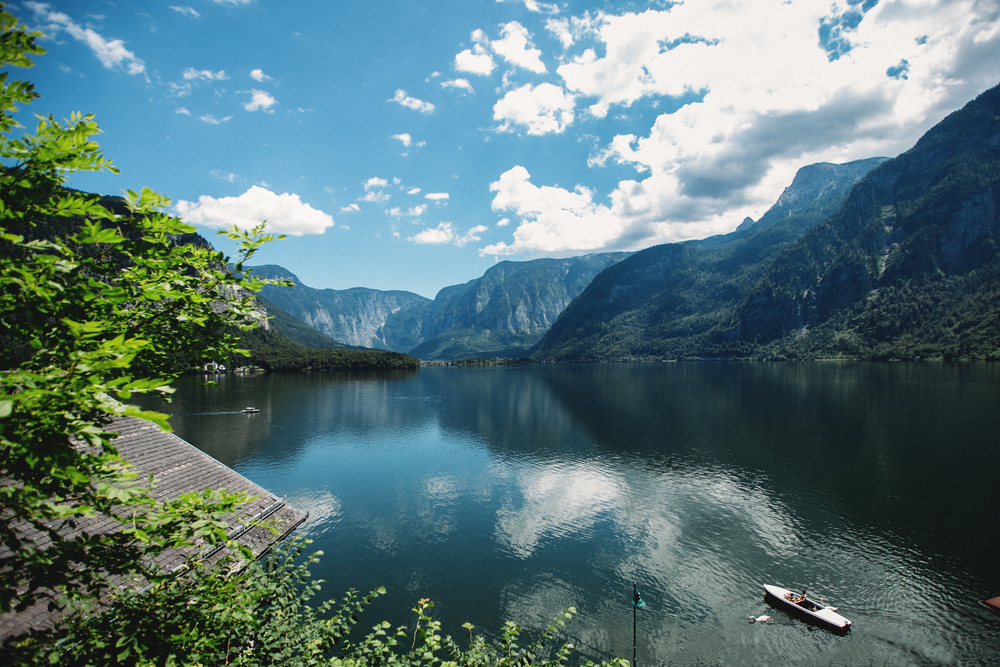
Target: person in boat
795	599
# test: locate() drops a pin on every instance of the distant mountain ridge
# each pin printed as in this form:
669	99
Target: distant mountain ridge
905	263
360	317
502	313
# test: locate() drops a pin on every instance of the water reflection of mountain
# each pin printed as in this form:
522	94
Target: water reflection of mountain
905	448
294	409
901	447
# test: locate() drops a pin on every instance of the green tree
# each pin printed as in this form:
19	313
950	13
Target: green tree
95	307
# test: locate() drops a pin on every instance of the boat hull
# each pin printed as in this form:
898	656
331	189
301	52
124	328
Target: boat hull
809	610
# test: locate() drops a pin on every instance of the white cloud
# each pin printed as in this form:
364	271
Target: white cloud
476	60
515	47
192	74
225	176
285	213
538	109
445	234
258	75
413	191
187	11
405	138
212	120
260	101
751	90
412	212
182	111
461	84
442	234
411	102
553	219
375	191
236	3
437	196
535	6
350	208
112	53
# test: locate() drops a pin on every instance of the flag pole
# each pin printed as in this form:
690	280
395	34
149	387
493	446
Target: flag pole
635	596
636	603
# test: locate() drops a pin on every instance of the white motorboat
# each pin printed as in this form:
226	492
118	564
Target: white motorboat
249	409
801	605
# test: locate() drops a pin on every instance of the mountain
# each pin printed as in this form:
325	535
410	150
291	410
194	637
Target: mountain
669	300
502	313
508	309
909	266
295	329
358	317
904	263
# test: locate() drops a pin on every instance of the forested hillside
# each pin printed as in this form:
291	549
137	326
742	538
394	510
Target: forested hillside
671	301
907	266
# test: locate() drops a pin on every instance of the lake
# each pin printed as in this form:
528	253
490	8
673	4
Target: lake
514	493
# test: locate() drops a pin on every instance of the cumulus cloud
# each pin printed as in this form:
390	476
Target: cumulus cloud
445	234
412	212
405	138
515	47
460	84
437	196
749	91
477	60
538	110
260	101
553	219
285	213
411	102
375	191
111	52
258	75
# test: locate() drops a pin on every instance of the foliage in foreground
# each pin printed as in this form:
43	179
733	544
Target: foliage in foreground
264	617
102	311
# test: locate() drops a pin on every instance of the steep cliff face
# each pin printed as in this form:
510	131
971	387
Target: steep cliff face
507	310
919	227
679	299
502	313
360	317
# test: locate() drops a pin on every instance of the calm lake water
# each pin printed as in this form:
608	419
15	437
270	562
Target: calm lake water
513	493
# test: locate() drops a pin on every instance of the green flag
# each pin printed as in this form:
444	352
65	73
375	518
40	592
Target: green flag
636	598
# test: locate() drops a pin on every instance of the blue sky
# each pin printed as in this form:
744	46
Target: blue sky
411	145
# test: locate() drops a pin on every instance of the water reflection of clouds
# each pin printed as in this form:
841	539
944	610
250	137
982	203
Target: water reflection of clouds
683	535
555	501
324	511
436	506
